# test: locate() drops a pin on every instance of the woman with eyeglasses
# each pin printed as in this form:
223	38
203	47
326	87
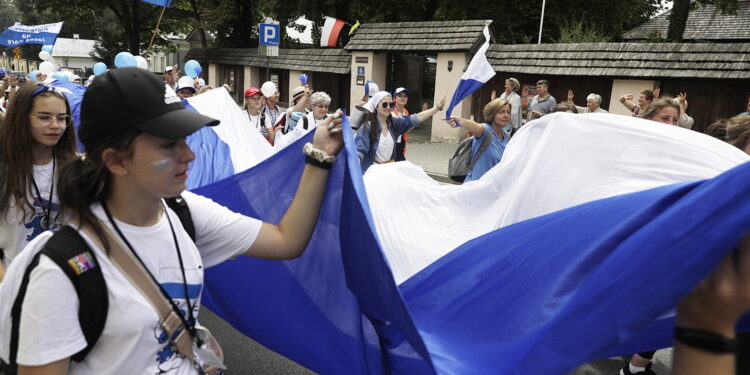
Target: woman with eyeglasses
376	137
36	137
497	114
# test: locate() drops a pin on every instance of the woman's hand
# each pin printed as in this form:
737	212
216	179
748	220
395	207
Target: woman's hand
722	298
441	103
454	121
570	95
328	134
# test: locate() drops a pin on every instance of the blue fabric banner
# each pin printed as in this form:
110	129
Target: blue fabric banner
542	296
18	34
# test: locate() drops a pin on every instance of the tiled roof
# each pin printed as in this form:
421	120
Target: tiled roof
66	47
328	60
704	23
628	60
436	36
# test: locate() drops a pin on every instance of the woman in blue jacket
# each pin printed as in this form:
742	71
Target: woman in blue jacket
376	137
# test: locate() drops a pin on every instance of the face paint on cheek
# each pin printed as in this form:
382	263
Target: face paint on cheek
162	164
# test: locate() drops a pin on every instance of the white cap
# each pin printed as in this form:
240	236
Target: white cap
268	88
201	82
185	82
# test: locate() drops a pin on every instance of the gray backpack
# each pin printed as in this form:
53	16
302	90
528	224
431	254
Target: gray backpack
462	163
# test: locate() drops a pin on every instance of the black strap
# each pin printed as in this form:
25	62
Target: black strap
90	285
482	147
76	259
180	207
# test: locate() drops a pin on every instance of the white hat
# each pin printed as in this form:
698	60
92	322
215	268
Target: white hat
372	104
185	82
400	90
268	88
201	82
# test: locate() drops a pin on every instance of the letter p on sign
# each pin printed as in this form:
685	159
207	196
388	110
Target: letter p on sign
269	34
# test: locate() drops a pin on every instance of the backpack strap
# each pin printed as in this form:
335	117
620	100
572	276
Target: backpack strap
76	259
482	147
180	207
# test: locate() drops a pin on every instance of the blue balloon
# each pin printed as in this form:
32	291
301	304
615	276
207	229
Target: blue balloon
100	68
32	75
60	76
193	68
47	48
125	59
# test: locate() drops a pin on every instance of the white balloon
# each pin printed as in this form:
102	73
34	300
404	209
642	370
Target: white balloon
47	67
71	76
44	55
141	61
268	88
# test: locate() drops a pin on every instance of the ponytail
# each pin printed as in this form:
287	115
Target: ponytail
85	180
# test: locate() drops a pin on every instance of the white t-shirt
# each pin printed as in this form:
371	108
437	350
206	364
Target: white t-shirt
385	148
132	341
255	121
26	230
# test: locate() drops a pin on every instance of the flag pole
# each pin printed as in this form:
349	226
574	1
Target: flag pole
541	22
156	30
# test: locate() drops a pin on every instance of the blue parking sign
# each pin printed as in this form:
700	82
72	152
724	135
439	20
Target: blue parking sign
270	34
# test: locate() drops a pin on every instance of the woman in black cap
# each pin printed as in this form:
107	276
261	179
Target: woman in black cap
136	155
35	138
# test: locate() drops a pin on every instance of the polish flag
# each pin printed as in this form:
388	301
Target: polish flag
331	30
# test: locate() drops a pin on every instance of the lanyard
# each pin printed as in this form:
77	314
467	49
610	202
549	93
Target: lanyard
45	223
190	323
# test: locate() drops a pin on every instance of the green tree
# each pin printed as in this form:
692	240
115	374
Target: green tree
681	10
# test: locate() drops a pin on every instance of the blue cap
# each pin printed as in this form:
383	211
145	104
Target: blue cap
400	90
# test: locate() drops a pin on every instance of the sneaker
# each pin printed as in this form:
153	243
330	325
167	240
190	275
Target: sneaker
626	370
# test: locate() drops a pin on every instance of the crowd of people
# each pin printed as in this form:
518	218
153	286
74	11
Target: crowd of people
134	125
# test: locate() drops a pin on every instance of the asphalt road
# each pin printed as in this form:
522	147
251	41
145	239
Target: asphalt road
245	356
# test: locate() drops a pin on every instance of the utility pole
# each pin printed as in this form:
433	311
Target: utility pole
541	22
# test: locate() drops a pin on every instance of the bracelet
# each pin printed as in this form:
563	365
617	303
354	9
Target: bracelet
320	164
704	340
320	156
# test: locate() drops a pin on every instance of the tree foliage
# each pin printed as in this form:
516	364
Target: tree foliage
128	24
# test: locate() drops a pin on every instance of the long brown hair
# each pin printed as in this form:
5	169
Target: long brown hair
86	180
16	156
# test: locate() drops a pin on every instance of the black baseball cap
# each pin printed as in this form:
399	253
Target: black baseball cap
132	97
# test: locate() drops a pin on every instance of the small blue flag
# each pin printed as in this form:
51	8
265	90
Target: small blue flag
161	3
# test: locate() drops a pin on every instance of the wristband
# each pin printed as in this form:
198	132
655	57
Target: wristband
320	164
705	340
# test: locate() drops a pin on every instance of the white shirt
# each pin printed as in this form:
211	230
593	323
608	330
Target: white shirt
132	341
385	148
24	229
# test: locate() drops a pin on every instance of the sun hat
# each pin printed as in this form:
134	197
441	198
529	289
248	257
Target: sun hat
132	97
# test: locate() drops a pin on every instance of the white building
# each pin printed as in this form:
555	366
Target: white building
74	54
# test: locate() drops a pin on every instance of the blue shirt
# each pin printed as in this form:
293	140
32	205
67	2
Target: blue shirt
491	155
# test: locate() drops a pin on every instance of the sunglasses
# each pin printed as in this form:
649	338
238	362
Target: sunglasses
388	104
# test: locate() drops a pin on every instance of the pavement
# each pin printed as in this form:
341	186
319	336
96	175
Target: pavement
245	356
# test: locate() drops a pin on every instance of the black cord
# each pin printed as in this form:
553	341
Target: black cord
175	308
45	224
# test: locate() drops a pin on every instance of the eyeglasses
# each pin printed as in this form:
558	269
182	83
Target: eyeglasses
388	104
46	120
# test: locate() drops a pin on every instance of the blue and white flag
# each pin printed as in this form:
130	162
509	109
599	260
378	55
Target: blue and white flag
523	271
18	34
161	3
477	74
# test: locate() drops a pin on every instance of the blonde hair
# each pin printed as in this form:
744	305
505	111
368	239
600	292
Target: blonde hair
493	107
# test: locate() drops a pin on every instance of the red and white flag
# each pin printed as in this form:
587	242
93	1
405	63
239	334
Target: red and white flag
330	33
